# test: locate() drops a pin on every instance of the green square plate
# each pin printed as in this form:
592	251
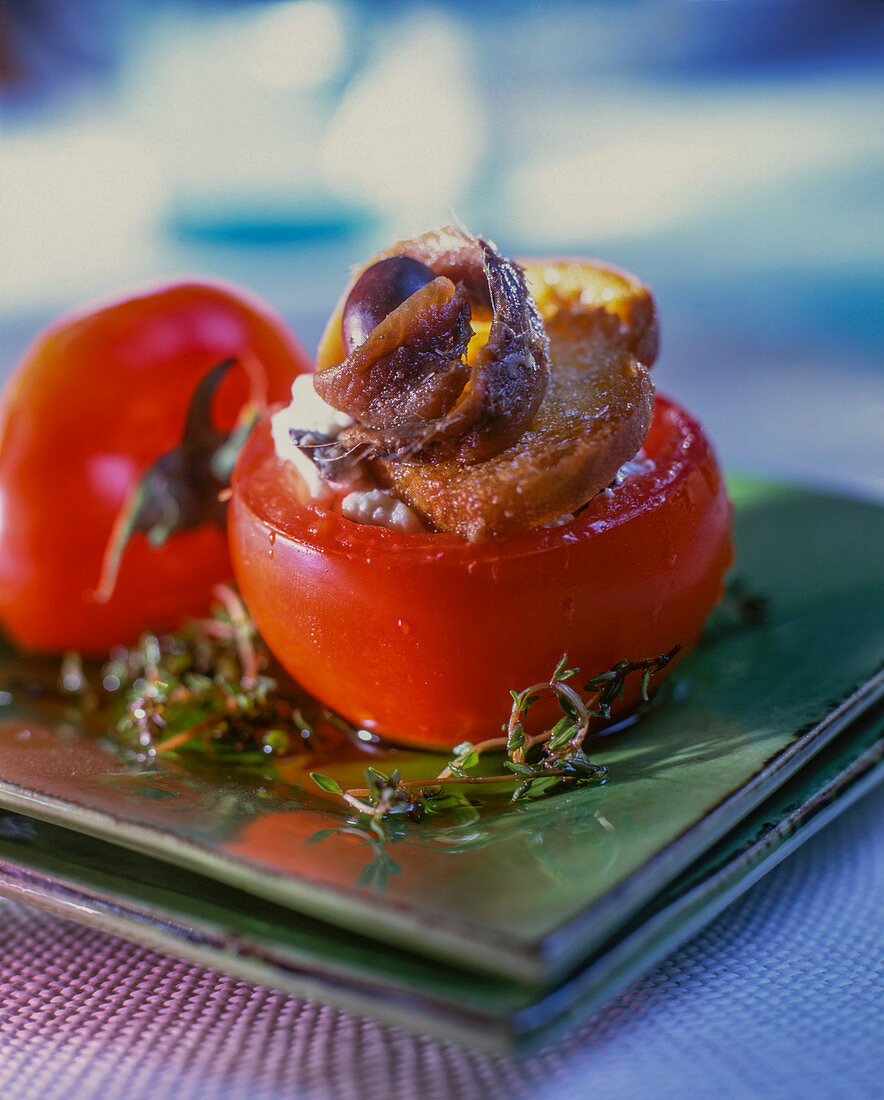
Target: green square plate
129	894
530	895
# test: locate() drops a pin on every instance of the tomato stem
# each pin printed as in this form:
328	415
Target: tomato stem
184	487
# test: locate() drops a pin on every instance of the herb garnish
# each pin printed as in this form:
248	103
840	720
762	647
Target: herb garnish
537	762
205	690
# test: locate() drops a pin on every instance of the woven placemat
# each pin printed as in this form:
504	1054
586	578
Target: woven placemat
782	996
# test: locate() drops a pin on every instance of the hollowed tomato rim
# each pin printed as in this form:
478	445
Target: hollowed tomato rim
675	446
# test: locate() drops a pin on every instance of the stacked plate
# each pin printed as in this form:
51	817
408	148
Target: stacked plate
502	929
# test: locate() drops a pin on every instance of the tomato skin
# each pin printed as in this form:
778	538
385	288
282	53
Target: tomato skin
421	637
97	399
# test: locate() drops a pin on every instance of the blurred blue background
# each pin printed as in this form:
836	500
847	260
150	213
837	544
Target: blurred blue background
729	152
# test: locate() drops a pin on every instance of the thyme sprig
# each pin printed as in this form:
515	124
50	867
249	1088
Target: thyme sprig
536	762
206	690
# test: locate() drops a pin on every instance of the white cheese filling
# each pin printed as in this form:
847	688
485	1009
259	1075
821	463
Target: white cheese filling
361	499
380	509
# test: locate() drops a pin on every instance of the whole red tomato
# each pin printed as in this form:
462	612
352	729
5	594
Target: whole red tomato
98	398
422	636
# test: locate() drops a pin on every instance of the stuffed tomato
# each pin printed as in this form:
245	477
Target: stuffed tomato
421	636
540	500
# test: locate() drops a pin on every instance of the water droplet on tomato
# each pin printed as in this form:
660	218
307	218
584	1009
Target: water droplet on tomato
403	626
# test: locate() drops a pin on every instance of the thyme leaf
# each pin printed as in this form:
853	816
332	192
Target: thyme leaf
326	783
